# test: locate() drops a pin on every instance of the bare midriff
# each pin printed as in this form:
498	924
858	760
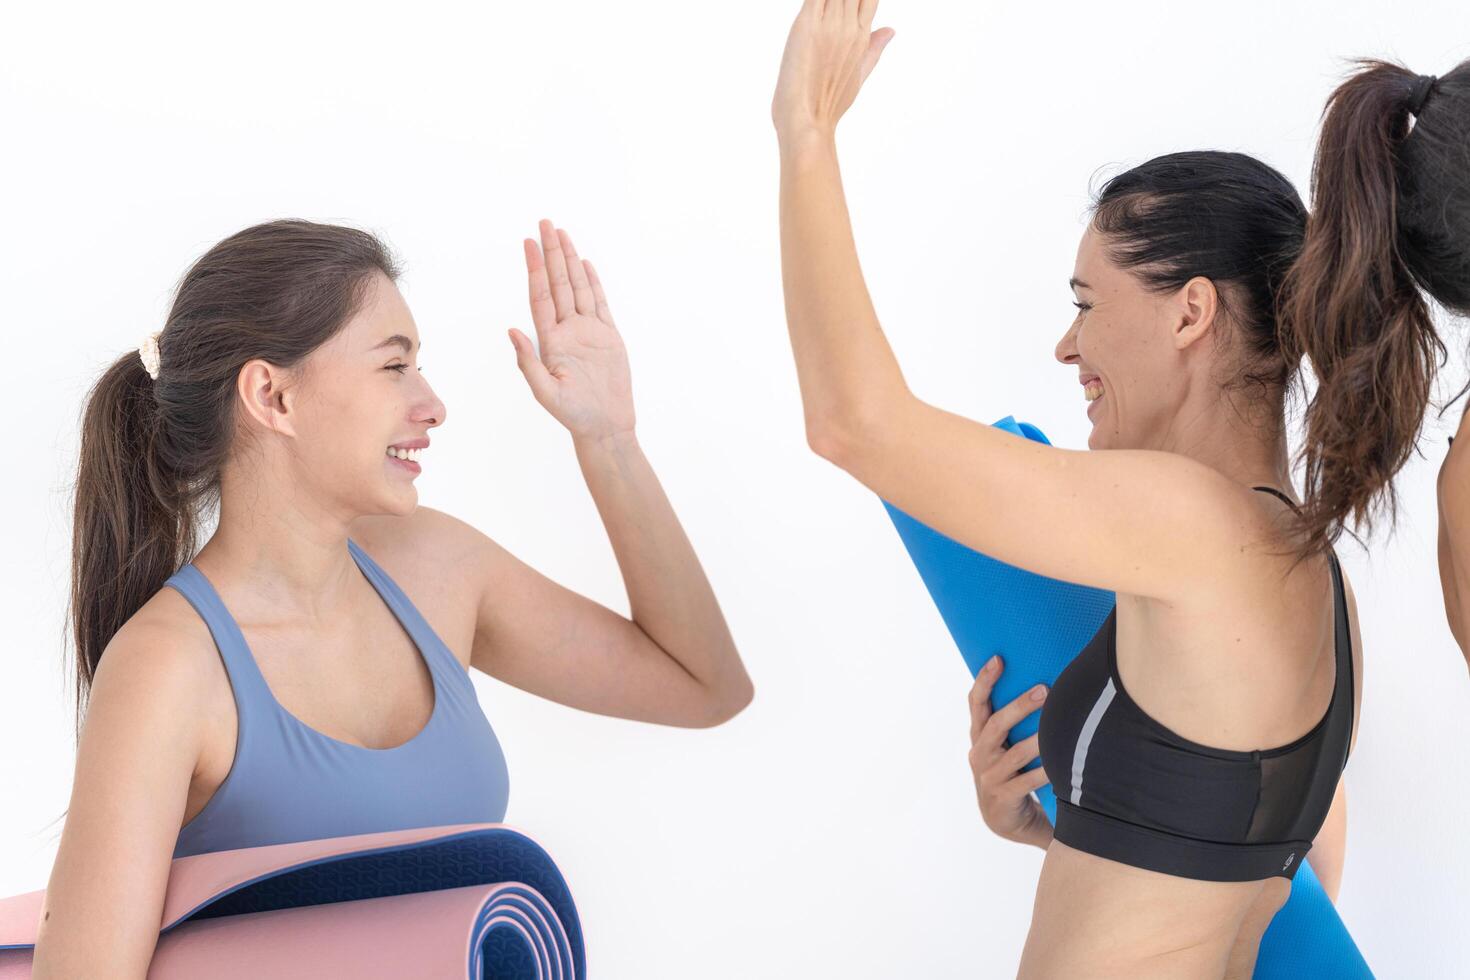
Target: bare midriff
1099	918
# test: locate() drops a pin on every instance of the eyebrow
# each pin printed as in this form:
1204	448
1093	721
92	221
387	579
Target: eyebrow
1074	282
401	341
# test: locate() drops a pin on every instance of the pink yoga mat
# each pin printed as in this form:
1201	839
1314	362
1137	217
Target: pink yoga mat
462	900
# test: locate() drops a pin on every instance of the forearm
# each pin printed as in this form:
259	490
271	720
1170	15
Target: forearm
846	370
1454	544
1448	582
669	597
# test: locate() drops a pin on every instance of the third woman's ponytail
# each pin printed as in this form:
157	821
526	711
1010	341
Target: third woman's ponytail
1390	213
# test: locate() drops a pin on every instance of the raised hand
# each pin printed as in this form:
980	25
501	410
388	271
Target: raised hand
829	52
1004	792
581	374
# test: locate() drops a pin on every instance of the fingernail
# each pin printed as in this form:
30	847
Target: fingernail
990	664
1038	694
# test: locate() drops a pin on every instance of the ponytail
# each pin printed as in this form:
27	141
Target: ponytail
1351	302
128	527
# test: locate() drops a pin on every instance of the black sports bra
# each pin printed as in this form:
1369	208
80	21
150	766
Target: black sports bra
1132	790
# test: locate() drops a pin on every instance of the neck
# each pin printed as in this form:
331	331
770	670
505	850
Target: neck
279	548
1240	436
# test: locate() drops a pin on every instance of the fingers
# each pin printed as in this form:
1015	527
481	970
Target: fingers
1015	758
1002	721
1029	781
542	383
556	271
1001	778
980	695
543	309
582	297
877	41
867	10
604	312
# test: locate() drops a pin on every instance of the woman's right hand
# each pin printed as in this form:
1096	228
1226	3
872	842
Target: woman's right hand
1003	790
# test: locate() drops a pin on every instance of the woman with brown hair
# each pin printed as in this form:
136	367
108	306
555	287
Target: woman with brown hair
1196	745
306	674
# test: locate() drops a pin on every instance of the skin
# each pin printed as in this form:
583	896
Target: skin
1217	637
1452	492
329	648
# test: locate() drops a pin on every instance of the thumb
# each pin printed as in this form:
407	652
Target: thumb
540	379
877	41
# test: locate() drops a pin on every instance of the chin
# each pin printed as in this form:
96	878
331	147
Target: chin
401	503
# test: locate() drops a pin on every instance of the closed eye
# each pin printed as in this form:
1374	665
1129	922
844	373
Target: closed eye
1082	306
400	368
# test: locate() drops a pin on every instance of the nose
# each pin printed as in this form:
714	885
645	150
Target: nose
1066	351
431	410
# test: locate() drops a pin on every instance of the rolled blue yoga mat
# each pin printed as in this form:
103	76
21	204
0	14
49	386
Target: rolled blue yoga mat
1038	625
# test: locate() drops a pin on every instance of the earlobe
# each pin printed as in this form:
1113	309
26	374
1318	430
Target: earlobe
281	413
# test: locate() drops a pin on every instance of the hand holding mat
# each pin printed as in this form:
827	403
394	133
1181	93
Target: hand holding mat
1038	625
460	900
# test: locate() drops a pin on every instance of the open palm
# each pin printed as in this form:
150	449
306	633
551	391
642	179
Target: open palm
581	375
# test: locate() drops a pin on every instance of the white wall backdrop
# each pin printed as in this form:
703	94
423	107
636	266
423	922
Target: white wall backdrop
831	829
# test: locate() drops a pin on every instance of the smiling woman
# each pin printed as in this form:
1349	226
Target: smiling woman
287	681
1214	710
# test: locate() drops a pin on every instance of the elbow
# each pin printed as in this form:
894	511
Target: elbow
824	439
855	430
726	704
840	439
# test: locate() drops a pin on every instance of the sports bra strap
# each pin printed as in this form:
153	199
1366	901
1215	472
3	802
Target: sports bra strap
1272	490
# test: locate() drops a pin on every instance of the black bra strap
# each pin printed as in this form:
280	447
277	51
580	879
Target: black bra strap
1278	493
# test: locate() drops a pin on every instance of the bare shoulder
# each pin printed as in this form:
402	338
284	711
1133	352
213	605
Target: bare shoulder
427	531
165	643
162	657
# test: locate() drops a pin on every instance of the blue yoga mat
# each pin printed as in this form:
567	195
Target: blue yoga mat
1037	625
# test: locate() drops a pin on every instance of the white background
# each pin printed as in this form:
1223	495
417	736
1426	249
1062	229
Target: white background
831	829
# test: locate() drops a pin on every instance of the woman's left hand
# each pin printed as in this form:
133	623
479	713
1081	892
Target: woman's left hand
581	376
829	53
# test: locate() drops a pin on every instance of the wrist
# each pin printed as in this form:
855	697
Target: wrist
613	443
798	142
1036	836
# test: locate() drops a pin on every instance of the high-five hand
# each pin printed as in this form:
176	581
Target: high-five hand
581	376
829	53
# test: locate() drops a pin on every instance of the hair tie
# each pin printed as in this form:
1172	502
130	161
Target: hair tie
1421	92
148	351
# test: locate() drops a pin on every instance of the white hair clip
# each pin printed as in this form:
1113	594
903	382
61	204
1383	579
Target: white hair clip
148	351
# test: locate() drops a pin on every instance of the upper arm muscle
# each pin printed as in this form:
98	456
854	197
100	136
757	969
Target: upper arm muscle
1146	523
537	635
137	753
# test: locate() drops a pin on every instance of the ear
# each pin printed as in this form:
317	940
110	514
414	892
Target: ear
264	396
1197	305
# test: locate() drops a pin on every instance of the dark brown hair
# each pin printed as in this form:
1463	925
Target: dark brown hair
152	450
1339	286
1390	217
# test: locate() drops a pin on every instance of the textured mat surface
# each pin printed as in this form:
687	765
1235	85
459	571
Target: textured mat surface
468	900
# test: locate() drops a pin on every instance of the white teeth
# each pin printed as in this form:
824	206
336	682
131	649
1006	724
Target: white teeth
413	454
1092	391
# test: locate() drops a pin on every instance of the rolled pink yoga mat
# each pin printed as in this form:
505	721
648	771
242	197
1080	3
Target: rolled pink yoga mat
476	900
